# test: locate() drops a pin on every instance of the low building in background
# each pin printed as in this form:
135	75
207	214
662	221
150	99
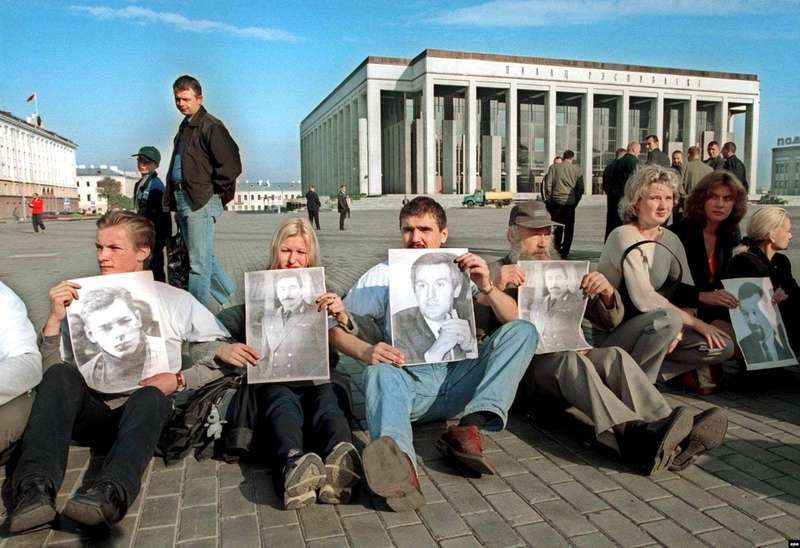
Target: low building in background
448	122
87	177
265	196
34	159
786	166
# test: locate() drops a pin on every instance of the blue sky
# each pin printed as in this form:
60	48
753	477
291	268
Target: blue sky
103	70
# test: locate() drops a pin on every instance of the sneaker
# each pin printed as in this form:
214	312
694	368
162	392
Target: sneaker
34	505
707	433
342	472
302	477
391	475
651	446
463	443
101	503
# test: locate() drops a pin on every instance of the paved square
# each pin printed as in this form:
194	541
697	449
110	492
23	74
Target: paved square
553	486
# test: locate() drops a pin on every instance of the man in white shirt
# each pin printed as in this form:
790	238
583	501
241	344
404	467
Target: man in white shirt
20	368
129	425
481	389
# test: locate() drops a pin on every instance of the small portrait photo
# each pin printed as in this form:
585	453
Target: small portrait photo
430	300
284	325
758	325
114	328
553	301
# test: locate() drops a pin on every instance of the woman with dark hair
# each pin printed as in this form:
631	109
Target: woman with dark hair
709	231
769	232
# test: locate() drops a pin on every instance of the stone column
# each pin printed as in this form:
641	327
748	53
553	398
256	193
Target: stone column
511	139
429	139
471	145
751	145
587	139
624	121
691	125
363	145
374	185
659	128
550	145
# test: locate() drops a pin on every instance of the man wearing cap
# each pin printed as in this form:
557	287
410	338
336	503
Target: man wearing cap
629	414
148	196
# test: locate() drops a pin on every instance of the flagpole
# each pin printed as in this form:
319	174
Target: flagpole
36	103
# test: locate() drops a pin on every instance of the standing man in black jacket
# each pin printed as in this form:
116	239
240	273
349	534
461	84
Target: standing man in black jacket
623	168
654	154
201	180
342	205
313	205
148	197
734	164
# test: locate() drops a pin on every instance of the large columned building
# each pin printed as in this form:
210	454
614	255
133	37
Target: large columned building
33	159
451	122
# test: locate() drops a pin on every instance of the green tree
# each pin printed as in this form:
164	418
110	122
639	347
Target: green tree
119	201
108	187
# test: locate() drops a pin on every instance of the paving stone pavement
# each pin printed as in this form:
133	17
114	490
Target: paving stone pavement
553	487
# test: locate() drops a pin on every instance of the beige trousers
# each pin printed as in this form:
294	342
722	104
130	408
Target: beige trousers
13	419
605	384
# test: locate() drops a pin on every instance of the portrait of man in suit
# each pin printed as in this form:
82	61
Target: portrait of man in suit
765	342
293	343
440	328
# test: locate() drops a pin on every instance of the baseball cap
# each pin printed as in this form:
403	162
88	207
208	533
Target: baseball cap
151	153
531	214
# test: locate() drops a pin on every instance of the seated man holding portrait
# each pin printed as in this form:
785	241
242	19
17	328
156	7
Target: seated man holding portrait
628	413
481	390
129	424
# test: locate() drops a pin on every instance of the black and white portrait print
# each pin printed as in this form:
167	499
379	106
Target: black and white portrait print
553	301
114	328
430	300
758	325
284	325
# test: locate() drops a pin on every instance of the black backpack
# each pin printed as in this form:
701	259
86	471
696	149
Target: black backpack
177	261
193	424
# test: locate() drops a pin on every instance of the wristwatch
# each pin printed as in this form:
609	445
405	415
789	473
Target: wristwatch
181	382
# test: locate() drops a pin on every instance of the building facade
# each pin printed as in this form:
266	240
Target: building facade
786	166
264	196
451	122
87	177
34	159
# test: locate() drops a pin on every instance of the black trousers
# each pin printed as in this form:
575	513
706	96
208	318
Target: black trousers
343	214
289	411
65	408
562	236
613	219
156	263
313	217
37	222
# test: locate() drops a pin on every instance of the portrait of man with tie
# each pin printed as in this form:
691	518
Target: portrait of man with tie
765	340
441	327
292	339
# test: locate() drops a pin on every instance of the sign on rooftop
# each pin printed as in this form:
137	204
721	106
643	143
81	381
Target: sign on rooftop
785	141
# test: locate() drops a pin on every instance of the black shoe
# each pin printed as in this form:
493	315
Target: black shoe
650	446
34	505
103	502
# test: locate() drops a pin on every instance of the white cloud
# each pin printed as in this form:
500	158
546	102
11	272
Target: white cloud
539	13
144	15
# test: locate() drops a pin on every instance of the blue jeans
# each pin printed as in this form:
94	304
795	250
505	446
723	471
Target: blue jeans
206	275
396	396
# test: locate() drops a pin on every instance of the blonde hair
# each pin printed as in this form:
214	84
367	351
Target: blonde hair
640	182
764	221
293	227
141	229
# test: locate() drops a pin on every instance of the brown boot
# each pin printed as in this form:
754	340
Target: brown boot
707	433
464	444
650	446
391	475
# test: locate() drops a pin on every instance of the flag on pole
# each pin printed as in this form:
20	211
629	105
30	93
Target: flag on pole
31	98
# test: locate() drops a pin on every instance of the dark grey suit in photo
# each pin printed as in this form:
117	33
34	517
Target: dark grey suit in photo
414	337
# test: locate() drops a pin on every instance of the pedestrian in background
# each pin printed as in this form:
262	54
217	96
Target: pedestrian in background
148	197
313	204
343	206
200	180
37	208
562	191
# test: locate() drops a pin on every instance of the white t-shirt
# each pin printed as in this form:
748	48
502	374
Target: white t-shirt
20	360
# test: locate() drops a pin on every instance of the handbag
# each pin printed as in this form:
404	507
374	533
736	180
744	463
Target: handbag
178	265
673	289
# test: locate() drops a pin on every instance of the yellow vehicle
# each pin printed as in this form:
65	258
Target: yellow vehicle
482	198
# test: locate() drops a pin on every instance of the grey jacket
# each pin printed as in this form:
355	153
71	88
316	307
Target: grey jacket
563	184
